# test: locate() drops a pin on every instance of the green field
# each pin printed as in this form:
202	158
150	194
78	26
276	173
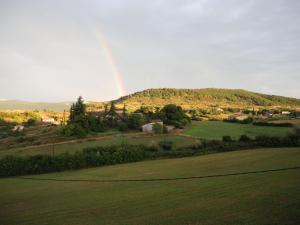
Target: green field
179	141
263	198
217	129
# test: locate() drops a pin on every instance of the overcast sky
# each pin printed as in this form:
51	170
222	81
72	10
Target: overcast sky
51	50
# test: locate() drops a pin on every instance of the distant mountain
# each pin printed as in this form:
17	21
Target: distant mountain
24	105
203	98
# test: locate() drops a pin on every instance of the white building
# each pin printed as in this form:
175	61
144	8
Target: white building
48	120
18	128
148	128
285	113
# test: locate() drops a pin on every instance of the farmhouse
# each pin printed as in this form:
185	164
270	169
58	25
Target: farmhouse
48	120
239	117
148	128
18	128
285	112
267	113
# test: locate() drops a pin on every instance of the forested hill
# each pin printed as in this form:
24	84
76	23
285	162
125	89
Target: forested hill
201	98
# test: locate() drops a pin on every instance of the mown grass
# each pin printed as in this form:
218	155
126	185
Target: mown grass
218	129
179	141
266	198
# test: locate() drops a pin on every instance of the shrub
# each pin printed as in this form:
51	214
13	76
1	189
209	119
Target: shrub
157	128
135	121
166	145
30	122
227	139
262	123
74	130
123	126
244	138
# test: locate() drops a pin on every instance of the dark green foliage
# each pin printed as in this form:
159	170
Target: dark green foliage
166	145
75	129
77	111
123	126
31	122
157	128
80	123
99	156
173	115
245	121
244	138
227	139
262	123
135	121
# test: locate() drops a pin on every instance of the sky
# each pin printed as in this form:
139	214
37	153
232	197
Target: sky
56	50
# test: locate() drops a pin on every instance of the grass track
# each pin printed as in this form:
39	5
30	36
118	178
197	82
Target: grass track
269	198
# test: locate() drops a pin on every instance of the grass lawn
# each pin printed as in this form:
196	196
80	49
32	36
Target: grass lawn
178	141
218	129
265	198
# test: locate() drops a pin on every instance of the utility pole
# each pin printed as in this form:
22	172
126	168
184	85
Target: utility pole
64	117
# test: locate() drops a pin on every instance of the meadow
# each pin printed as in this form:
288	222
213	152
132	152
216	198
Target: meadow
262	198
79	145
218	129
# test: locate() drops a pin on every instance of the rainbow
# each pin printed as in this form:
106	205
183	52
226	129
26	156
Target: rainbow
112	62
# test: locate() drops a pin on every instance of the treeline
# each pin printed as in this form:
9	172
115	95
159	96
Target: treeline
81	122
109	155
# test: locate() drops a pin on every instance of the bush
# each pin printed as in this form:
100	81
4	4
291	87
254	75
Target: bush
30	122
262	123
227	139
74	130
244	138
166	145
157	128
123	126
135	121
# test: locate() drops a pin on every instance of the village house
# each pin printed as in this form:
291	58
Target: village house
267	113
169	128
18	128
285	112
48	120
148	128
239	117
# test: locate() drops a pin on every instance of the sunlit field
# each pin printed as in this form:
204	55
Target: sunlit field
218	129
262	198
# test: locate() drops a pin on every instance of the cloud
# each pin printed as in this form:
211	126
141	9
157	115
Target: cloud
233	44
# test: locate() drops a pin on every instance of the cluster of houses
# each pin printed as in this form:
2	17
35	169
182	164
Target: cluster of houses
264	115
44	120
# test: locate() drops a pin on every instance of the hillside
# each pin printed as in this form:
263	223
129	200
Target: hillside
202	98
187	98
24	105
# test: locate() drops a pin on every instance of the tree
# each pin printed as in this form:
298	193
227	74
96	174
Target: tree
78	124
135	121
77	111
157	128
173	115
112	116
